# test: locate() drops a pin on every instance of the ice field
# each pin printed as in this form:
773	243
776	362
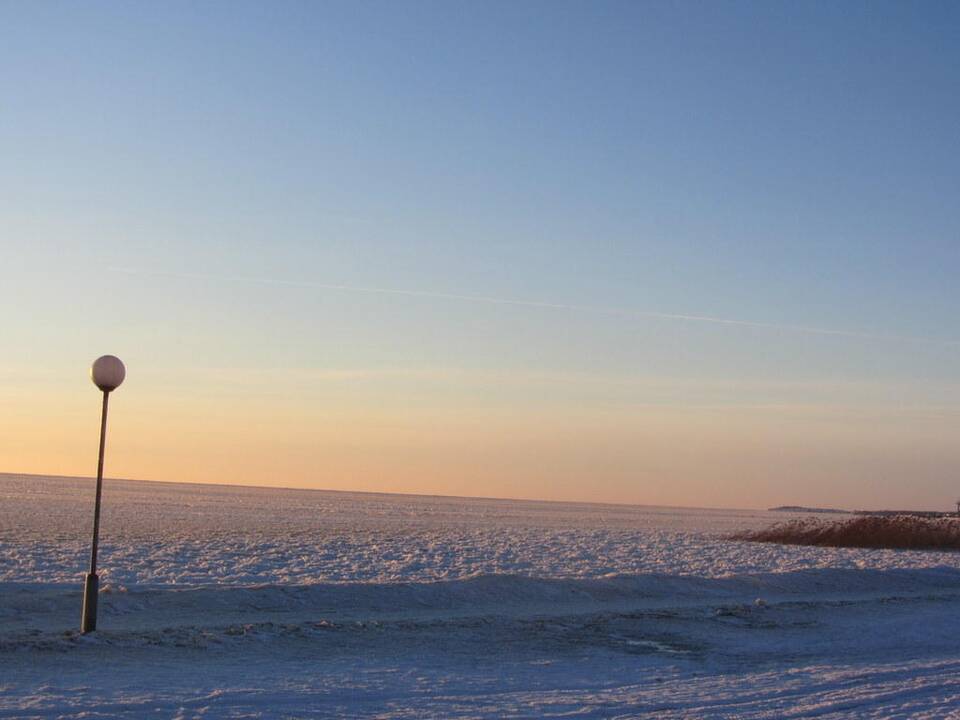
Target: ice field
229	602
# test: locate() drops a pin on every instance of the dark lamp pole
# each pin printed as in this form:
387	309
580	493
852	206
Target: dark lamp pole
107	372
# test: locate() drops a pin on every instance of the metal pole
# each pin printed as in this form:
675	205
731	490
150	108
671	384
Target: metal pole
91	585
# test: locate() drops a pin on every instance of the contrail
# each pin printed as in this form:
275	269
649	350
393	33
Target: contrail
490	300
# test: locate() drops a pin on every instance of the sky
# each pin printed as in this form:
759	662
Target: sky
676	253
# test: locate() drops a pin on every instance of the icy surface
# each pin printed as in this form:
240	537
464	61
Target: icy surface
243	602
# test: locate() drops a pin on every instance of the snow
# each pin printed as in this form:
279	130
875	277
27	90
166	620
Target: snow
250	602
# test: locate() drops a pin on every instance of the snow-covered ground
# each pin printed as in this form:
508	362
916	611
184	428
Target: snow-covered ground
249	602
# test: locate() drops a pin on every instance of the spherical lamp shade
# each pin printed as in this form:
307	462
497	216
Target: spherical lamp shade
107	372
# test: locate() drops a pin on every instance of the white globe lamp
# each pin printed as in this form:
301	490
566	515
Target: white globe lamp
107	372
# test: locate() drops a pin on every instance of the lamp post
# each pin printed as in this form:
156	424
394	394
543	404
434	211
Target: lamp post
107	372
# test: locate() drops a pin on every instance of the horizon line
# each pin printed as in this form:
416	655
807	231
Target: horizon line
5	473
608	503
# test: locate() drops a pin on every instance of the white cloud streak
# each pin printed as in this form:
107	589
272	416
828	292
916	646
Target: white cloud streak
546	305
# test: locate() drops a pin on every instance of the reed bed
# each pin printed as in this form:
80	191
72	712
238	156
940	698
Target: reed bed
896	532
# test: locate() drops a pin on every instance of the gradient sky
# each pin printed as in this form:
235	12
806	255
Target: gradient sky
664	252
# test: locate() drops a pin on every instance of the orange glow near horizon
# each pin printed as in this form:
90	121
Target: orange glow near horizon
332	433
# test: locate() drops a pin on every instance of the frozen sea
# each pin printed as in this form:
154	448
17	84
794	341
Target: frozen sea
230	602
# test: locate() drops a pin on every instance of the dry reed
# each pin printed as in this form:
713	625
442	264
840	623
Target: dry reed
897	531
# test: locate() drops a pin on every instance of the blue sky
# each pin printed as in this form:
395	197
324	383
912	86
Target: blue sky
182	183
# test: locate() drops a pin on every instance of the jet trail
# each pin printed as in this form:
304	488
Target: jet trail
490	300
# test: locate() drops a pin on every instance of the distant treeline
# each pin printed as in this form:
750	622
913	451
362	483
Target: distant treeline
800	508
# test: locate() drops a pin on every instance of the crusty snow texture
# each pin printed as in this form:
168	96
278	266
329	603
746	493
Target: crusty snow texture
249	602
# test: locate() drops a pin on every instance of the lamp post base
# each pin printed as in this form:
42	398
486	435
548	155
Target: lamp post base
91	586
